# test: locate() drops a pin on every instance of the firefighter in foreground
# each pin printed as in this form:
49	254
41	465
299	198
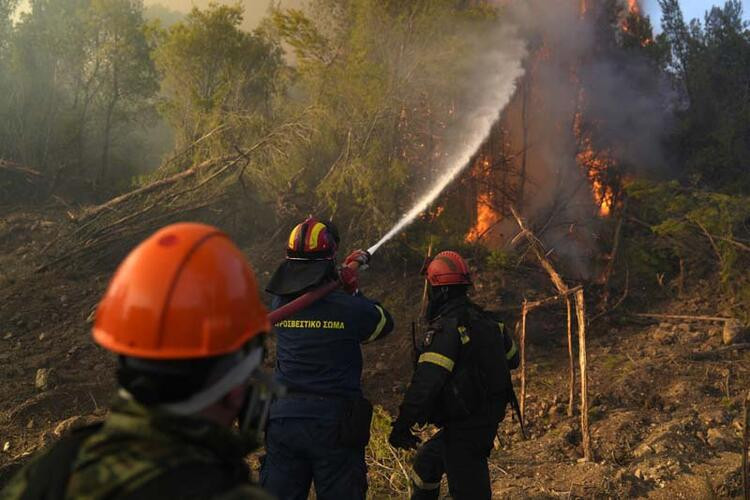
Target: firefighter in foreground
319	430
184	317
461	384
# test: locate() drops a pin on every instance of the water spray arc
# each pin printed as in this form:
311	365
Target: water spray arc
501	68
497	70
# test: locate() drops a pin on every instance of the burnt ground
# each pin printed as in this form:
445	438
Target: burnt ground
664	424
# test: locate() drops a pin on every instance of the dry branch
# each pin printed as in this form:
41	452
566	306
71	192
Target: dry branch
538	249
154	186
609	271
548	300
205	191
682	317
13	167
701	355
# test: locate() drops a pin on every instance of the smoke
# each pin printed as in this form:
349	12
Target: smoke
577	75
255	10
488	87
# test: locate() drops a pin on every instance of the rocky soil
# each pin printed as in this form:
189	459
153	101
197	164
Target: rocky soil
665	419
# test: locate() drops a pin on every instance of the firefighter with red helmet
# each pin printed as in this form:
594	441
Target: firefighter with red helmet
461	384
318	431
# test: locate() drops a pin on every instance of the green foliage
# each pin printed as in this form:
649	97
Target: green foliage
7	7
710	63
379	79
79	77
501	260
694	226
387	467
216	76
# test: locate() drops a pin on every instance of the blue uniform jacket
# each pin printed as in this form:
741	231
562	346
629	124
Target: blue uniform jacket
318	352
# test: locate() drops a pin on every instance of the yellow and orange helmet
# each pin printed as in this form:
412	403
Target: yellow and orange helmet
313	240
185	292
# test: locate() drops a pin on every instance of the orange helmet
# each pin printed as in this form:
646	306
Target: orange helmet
313	240
185	292
448	268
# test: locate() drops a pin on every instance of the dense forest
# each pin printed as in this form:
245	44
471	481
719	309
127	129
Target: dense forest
624	143
345	105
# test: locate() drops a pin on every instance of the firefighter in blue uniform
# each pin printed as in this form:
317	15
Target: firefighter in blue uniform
319	430
461	384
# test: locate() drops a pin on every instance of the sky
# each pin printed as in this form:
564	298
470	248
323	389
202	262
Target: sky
256	9
690	9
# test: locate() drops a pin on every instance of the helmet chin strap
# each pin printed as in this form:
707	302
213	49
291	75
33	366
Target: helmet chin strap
237	375
253	416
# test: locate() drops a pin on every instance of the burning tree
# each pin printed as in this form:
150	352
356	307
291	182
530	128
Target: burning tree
564	146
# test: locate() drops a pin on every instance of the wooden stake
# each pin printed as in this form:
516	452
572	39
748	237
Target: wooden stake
571	366
745	446
581	315
522	340
423	305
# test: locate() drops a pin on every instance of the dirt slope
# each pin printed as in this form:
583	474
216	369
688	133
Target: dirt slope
664	425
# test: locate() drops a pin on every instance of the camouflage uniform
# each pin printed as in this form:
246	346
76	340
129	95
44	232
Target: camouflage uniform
142	453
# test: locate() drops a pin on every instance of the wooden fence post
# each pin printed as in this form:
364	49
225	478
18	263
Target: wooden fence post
585	435
522	341
571	366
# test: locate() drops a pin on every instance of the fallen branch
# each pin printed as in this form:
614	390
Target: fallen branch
190	172
682	317
701	355
154	186
13	167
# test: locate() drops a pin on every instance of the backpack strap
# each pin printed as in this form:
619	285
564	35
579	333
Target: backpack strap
48	476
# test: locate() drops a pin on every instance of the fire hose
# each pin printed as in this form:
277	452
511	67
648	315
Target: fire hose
308	298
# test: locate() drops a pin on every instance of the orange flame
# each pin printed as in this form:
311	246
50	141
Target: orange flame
486	218
594	163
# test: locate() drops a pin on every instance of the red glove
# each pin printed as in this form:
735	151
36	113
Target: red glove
359	256
349	280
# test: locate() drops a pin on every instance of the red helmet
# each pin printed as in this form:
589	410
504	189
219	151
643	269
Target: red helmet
448	268
313	240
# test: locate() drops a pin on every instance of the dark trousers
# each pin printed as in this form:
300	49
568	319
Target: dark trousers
300	451
461	454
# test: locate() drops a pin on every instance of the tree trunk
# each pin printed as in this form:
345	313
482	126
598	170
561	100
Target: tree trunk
525	140
108	125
